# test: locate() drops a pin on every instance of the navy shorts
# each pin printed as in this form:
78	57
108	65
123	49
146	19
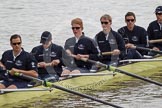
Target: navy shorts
18	84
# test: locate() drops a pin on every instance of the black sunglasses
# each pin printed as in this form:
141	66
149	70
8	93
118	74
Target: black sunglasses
18	43
158	13
75	28
128	20
104	23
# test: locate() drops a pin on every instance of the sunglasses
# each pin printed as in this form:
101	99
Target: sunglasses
128	20
105	23
77	28
18	43
158	13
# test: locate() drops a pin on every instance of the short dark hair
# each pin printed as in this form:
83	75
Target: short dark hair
14	37
106	16
130	14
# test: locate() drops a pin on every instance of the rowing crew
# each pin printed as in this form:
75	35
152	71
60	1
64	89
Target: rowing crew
46	61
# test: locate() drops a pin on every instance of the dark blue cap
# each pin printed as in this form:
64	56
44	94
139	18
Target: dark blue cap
158	9
46	37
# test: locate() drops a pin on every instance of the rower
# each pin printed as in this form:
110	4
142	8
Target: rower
49	58
79	47
154	30
17	60
133	35
110	41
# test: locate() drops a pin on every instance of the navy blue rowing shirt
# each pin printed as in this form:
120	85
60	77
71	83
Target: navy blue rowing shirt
24	61
154	32
85	46
137	36
114	41
47	55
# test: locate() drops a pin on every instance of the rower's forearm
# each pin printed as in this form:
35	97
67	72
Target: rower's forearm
30	73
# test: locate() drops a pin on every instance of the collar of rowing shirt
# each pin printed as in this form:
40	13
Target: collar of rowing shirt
160	24
76	39
107	35
16	55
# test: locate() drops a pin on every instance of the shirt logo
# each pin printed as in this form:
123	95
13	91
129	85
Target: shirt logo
18	63
9	61
134	38
81	47
156	30
112	41
72	46
101	41
53	54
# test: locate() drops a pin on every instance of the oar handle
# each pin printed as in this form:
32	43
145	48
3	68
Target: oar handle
28	77
107	53
99	64
155	41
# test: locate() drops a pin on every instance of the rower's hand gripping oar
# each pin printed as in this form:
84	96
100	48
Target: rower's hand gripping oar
52	85
115	69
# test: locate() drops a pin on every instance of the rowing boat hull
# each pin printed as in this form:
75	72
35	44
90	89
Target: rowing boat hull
81	84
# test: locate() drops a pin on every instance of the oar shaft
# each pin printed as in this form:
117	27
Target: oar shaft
148	49
111	68
49	84
29	77
85	96
139	77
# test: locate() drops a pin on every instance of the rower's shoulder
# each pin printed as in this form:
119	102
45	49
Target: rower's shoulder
153	23
7	52
139	27
70	39
99	33
38	47
57	46
122	28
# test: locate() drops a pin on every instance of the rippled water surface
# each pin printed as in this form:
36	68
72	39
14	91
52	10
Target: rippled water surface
30	18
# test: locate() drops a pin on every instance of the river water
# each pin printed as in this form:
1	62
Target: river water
30	18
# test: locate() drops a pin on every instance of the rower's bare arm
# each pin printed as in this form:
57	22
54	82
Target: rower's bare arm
41	64
81	56
32	73
55	62
129	45
52	63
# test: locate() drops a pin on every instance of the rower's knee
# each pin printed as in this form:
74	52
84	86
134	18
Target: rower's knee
12	87
65	72
2	86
